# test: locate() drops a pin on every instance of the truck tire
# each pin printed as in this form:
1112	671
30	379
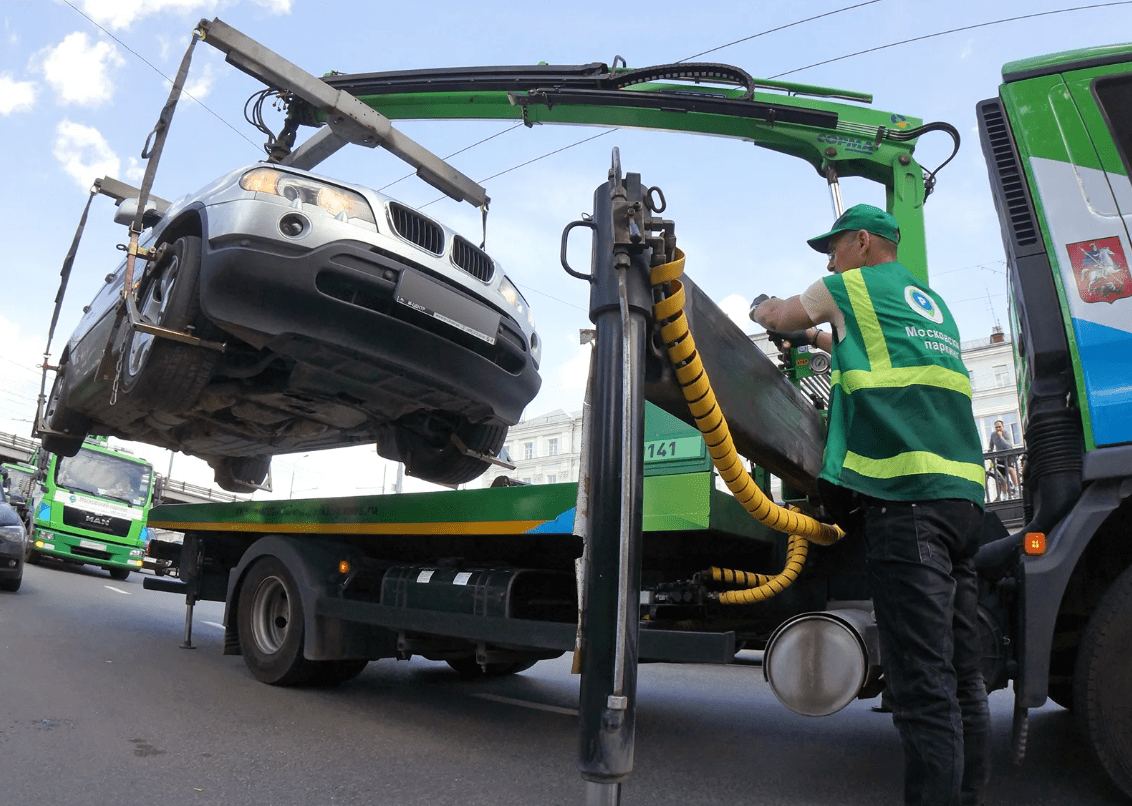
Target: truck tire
119	574
10	585
158	373
1102	696
446	465
270	618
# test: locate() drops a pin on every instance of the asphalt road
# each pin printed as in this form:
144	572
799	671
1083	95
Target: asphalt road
100	705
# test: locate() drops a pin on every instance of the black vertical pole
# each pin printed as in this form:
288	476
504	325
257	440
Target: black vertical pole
620	300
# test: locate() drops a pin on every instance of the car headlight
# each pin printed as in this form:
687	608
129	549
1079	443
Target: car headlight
12	534
516	300
345	205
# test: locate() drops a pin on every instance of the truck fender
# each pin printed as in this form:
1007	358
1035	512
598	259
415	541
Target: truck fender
1044	580
302	559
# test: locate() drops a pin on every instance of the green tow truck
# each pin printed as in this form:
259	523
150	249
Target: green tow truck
630	564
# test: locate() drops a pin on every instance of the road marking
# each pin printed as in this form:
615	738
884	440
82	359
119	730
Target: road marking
116	590
538	706
214	624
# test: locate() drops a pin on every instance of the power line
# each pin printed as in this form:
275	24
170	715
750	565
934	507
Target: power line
152	67
953	31
775	30
454	153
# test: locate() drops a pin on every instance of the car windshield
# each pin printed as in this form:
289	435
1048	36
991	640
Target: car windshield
108	476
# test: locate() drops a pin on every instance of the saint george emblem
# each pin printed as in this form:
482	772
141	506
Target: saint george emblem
1101	270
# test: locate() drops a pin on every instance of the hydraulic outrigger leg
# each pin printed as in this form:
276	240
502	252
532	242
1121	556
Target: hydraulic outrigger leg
620	305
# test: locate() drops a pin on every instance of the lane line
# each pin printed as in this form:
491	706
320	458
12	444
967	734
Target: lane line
117	590
213	624
538	706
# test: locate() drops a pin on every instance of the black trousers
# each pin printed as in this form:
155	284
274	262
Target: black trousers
924	589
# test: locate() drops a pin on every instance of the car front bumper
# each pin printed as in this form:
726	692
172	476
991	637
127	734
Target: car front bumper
324	304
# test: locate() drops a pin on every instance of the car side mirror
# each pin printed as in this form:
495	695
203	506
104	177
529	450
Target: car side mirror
128	208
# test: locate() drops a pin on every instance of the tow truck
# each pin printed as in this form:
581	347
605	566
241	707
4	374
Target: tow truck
645	560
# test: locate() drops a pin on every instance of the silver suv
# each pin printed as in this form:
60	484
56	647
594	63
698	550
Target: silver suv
346	317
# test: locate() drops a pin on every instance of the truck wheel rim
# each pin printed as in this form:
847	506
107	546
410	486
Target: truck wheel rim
271	615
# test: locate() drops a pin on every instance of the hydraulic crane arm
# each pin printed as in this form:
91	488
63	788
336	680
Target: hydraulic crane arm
816	124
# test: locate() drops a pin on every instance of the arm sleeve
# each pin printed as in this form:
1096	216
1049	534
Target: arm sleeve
819	304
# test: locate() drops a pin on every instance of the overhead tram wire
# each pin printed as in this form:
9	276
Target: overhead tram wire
186	93
954	31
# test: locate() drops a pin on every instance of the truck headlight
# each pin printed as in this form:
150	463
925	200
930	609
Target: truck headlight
12	534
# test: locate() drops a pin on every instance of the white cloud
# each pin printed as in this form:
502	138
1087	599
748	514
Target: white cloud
573	372
78	71
20	376
84	153
200	82
15	96
135	170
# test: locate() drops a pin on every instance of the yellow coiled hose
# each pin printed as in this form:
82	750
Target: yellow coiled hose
696	387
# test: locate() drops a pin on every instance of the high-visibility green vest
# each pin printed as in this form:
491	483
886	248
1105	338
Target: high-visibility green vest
900	421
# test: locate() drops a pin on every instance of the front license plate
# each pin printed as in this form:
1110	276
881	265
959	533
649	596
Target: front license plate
424	294
90	544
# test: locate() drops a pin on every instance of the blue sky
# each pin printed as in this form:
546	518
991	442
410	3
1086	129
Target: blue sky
81	86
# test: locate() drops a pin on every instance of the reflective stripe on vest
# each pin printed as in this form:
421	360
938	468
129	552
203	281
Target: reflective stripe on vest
912	463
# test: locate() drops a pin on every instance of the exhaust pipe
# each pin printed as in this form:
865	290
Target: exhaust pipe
817	663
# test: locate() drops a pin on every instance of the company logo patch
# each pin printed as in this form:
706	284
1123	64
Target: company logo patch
920	302
899	121
1101	270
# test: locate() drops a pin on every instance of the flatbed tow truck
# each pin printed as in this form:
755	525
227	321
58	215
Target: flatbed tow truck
645	560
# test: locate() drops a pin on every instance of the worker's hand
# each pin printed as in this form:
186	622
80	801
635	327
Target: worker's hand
756	302
792	338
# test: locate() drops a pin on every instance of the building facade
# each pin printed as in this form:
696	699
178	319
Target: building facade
544	450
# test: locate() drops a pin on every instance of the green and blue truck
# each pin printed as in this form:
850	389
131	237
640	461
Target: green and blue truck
628	564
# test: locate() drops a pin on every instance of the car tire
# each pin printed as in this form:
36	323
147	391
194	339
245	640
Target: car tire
159	373
446	464
270	619
119	574
240	474
70	428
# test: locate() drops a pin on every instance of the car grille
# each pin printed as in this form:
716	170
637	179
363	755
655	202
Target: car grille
472	259
416	229
73	516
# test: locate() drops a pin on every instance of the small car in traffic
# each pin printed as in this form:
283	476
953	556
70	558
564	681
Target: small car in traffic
12	538
330	315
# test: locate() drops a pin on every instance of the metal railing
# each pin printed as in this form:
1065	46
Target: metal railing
1003	474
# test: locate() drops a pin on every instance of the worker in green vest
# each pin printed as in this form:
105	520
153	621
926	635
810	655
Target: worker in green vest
903	469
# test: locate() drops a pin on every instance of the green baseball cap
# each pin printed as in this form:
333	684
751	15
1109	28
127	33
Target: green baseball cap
858	217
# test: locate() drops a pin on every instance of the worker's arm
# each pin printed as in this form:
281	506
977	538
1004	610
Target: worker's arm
782	315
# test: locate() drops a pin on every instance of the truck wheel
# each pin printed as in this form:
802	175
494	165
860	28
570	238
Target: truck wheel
470	670
1102	696
10	585
270	618
240	474
157	372
119	574
445	464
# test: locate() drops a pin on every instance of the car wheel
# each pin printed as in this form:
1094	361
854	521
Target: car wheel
158	372
70	428
445	464
270	618
240	474
118	573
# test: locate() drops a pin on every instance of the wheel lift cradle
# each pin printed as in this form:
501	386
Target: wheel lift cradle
402	590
